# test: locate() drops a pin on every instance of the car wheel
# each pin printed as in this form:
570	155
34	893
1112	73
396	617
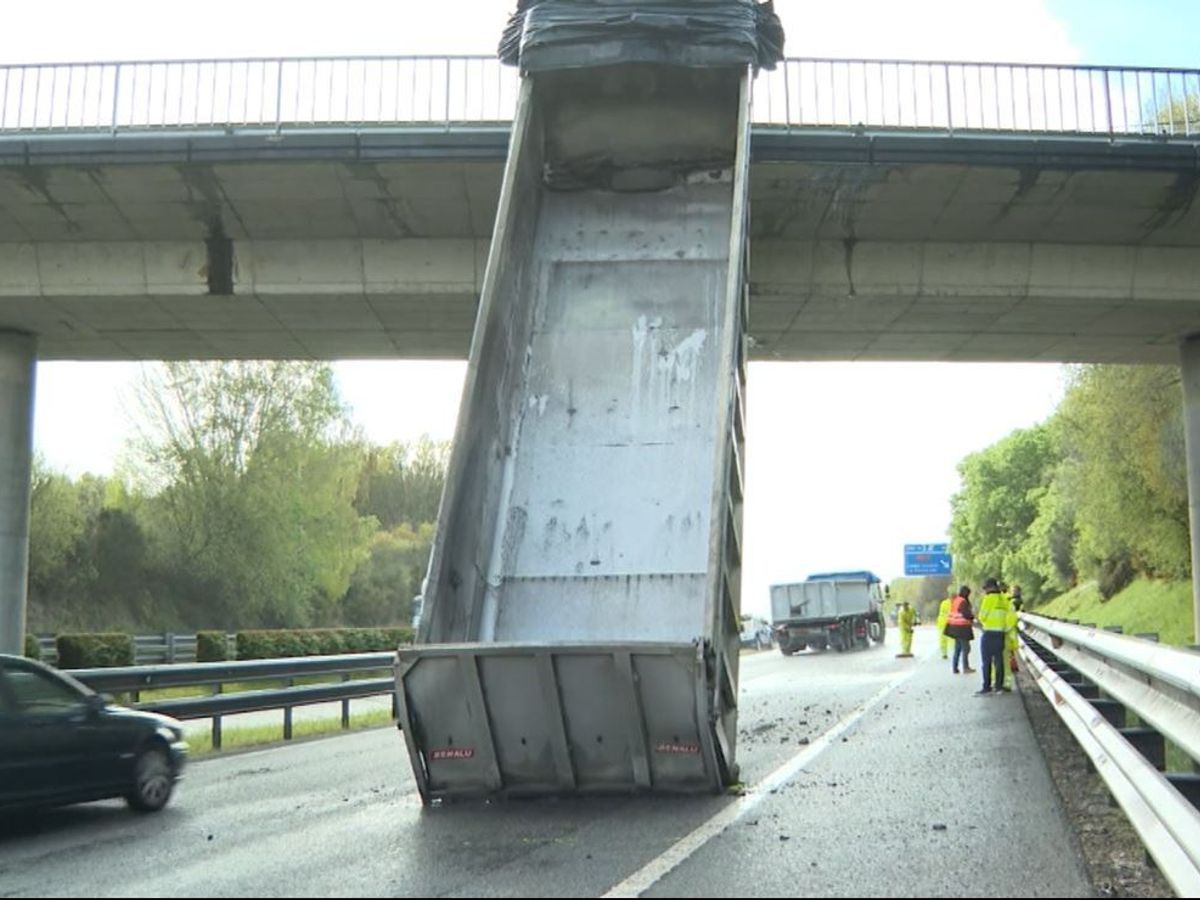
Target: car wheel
153	780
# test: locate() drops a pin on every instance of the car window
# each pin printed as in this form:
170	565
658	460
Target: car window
36	693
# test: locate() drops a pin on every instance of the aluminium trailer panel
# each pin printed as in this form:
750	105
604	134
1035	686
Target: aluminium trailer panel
556	718
594	491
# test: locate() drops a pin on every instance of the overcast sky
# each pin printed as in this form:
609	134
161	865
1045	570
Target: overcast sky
846	462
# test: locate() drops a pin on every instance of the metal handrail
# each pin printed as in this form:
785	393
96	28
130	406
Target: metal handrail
296	92
1161	684
1167	822
134	679
142	678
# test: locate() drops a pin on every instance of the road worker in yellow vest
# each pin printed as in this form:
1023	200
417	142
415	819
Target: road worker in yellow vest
906	619
942	618
992	617
1011	639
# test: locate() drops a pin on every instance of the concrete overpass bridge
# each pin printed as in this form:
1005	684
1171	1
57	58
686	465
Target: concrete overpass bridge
342	208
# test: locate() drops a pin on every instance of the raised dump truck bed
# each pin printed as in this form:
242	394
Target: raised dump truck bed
580	626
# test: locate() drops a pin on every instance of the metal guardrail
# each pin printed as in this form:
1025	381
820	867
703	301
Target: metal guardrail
136	679
1161	685
167	647
308	92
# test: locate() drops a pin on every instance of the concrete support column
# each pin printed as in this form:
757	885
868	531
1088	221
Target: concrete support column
1189	361
18	361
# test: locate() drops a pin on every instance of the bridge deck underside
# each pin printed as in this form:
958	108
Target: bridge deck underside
907	253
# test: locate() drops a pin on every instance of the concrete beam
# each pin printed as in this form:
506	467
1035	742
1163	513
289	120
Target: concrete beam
417	297
18	359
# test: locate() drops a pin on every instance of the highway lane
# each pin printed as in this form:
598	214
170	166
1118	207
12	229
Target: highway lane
340	817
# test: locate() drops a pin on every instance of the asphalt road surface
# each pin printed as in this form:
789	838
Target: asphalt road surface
866	775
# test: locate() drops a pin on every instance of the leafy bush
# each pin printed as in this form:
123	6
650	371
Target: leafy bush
94	651
1115	575
33	650
211	646
319	642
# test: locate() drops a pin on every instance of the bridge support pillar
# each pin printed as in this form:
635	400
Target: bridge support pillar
18	362
1189	361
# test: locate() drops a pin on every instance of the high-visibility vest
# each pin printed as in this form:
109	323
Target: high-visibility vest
943	613
1011	641
956	616
993	612
907	618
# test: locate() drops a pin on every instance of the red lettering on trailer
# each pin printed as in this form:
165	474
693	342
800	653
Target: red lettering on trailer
673	747
452	753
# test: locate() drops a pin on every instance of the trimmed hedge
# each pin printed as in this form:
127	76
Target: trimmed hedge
319	642
94	651
211	646
33	650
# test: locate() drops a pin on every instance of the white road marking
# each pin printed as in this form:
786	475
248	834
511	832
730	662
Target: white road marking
657	869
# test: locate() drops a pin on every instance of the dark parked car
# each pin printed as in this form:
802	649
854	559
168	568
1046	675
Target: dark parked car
63	743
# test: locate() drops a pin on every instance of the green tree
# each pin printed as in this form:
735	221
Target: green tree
1003	492
1122	433
1172	114
403	482
254	469
383	587
58	527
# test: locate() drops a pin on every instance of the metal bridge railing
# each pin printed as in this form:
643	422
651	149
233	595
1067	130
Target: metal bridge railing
1092	678
290	93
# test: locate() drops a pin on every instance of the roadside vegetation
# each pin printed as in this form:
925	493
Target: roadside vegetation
1089	507
1144	607
244	737
246	500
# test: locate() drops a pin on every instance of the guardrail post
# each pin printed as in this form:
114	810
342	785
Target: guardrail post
1148	742
169	640
1151	636
345	706
1188	784
216	722
1115	629
287	714
1112	710
1084	689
